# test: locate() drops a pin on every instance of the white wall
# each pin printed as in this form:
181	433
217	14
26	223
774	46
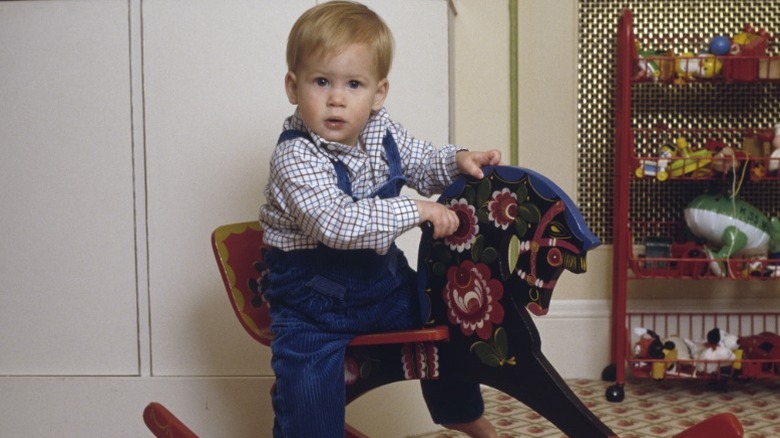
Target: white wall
129	131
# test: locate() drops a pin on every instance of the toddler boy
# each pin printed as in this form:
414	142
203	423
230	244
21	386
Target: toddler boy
333	212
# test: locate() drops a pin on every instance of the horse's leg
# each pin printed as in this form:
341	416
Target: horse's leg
536	383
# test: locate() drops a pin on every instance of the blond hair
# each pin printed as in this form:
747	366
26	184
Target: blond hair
328	28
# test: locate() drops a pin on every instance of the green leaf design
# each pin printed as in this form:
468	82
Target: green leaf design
529	212
477	246
489	255
500	340
483	192
469	195
521	227
493	354
486	353
482	216
513	252
521	193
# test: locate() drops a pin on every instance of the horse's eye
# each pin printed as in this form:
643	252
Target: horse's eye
554	257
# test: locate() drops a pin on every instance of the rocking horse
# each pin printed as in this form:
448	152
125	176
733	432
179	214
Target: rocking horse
518	232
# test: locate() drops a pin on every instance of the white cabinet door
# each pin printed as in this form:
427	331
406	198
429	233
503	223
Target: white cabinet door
215	103
67	276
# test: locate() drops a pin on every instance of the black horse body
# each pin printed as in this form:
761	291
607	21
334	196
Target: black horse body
519	232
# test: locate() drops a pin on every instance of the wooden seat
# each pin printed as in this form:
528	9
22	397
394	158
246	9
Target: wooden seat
238	249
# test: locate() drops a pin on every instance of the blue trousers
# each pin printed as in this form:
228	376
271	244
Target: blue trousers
319	301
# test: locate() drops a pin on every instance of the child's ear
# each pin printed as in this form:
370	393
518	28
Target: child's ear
381	94
291	87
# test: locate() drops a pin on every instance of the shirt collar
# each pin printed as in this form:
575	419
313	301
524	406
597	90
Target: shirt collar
374	122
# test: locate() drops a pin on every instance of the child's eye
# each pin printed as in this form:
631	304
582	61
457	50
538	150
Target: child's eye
321	82
353	84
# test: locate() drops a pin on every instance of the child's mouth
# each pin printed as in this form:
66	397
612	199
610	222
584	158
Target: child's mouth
334	123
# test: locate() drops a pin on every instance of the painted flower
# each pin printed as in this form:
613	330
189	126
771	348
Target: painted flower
259	284
420	361
351	370
472	298
468	228
502	208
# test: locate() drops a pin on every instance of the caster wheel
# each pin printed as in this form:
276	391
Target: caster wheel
609	374
615	393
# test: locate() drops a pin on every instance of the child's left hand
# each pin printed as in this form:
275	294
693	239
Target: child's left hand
470	163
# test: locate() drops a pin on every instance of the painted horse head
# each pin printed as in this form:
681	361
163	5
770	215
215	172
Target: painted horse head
518	232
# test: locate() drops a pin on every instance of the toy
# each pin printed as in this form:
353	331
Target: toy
690	67
691	259
725	158
749	45
763	346
682	349
669	356
717	353
732	226
691	160
720	45
649	346
774	161
657	167
761	152
750	42
653	64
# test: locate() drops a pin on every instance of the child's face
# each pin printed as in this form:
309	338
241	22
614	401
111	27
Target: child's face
336	95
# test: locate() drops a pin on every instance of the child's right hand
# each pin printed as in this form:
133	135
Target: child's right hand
445	221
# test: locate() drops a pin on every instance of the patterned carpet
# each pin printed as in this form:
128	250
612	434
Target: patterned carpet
650	409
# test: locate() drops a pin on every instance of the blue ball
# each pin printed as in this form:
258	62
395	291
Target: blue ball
720	45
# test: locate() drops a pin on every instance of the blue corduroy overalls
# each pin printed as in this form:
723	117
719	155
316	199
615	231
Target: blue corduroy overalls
320	299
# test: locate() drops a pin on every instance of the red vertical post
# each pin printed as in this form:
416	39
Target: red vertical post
623	148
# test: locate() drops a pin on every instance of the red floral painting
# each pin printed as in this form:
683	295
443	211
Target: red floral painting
472	297
462	238
502	208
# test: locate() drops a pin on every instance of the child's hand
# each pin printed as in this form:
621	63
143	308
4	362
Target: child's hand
445	221
470	163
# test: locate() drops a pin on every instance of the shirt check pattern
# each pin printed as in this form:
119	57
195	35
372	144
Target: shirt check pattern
305	207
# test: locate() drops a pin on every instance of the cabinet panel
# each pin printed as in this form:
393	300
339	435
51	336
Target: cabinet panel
215	103
67	280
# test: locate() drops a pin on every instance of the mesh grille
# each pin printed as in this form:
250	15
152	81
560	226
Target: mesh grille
683	26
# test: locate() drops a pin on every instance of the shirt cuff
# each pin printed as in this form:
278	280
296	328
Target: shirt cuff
452	164
406	213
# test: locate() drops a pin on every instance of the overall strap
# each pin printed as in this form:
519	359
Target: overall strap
392	154
342	174
396	179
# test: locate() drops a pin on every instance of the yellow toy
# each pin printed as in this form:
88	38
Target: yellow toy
691	161
690	67
657	167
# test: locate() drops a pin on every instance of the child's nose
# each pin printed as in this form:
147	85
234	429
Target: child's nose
336	96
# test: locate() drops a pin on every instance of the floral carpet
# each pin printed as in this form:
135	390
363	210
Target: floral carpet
650	408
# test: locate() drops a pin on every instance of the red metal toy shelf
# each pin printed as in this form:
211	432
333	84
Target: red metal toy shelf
661	170
753	342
